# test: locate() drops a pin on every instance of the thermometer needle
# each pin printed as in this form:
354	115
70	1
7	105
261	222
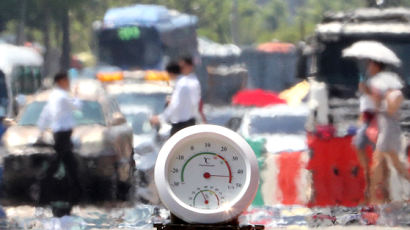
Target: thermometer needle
208	175
219	176
205	200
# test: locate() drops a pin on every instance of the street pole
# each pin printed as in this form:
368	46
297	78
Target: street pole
302	25
66	48
20	37
234	22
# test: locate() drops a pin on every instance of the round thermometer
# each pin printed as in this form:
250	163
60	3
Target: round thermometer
206	174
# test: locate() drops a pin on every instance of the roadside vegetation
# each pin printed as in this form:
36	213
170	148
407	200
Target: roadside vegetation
67	25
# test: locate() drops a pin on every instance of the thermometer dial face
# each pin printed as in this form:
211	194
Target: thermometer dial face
206	174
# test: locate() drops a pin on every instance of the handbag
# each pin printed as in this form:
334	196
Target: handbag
372	131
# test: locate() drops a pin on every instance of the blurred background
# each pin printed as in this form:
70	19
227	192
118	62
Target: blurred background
67	27
271	70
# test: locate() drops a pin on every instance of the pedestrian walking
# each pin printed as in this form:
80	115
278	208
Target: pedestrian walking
187	68
183	107
367	115
57	115
384	89
386	93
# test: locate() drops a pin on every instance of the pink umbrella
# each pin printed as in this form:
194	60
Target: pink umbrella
256	97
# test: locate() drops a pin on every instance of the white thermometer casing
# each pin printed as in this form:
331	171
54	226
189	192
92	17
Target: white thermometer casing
206	174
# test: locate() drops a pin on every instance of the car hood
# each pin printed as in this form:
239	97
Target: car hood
278	143
18	136
18	139
89	133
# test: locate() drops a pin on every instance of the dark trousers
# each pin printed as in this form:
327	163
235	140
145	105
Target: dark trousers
64	152
181	125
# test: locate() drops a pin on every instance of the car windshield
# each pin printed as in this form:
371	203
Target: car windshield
130	47
218	119
90	113
154	101
283	124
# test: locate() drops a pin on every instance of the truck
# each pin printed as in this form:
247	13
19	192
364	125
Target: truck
144	37
322	60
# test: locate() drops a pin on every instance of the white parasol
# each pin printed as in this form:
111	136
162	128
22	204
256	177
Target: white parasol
386	81
372	50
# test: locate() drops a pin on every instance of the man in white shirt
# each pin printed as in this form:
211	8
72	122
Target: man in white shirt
183	106
57	115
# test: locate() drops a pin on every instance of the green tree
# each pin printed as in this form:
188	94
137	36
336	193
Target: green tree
67	25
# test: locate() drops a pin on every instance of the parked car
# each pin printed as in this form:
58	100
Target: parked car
282	126
139	100
227	116
102	144
133	95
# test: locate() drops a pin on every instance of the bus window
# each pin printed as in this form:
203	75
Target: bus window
37	78
130	51
3	95
17	80
26	80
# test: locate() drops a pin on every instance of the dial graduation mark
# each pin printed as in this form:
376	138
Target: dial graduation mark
207	175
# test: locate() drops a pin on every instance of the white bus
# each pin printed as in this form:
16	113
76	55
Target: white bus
20	74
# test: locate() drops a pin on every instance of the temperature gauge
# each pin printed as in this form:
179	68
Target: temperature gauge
207	198
206	174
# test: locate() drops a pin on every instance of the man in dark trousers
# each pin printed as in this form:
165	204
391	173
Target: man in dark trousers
185	99
57	115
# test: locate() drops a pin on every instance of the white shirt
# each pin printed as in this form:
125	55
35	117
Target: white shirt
57	114
366	103
185	100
